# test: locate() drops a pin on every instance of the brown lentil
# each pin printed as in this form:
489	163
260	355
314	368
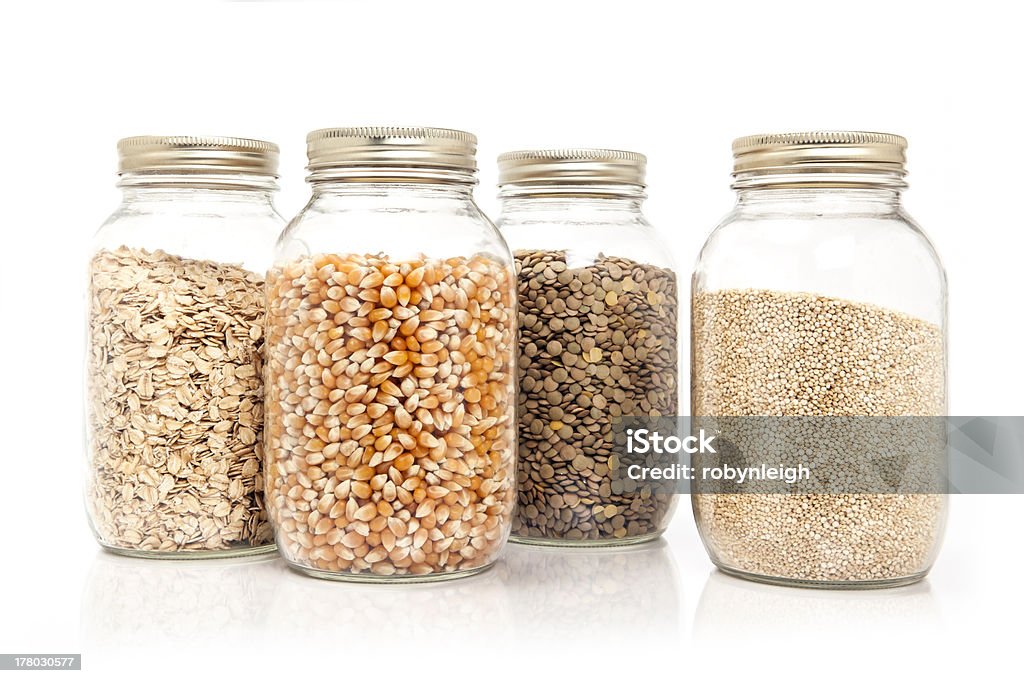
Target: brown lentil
390	429
595	343
760	352
175	403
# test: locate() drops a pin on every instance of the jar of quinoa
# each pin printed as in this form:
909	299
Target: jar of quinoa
818	300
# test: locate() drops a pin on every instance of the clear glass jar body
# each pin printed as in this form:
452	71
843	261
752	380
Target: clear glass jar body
598	339
820	301
174	404
391	384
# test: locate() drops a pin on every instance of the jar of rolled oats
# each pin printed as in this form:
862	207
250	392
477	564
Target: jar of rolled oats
598	341
174	404
819	324
390	405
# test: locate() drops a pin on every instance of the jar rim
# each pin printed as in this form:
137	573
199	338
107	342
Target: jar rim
577	167
821	158
191	154
391	153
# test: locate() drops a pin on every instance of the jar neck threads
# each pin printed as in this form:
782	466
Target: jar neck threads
393	188
888	180
573	211
142	181
612	194
819	199
333	177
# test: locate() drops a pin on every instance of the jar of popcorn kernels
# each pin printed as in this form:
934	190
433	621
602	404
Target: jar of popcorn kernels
390	442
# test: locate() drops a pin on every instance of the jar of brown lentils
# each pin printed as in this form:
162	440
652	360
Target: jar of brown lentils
390	393
598	340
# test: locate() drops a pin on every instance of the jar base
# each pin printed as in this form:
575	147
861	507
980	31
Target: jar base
823	585
394	579
548	542
246	551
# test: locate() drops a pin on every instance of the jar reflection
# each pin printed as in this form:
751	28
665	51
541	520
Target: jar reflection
415	615
632	592
732	609
132	603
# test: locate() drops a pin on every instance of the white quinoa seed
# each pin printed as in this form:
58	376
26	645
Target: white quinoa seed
760	352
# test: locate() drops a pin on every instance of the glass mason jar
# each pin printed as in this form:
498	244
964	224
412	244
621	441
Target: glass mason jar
819	297
174	404
390	364
598	340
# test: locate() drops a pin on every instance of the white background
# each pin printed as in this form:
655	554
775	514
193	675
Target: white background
675	83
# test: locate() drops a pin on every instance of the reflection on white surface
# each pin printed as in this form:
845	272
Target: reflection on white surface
308	610
596	596
562	596
137	603
734	610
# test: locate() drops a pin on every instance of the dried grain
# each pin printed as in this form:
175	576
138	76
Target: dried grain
390	424
175	403
760	352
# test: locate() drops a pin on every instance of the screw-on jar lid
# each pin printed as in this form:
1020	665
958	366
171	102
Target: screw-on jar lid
196	154
391	152
571	167
819	152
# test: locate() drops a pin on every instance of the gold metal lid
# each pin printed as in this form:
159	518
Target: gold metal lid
820	152
197	155
571	167
398	152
